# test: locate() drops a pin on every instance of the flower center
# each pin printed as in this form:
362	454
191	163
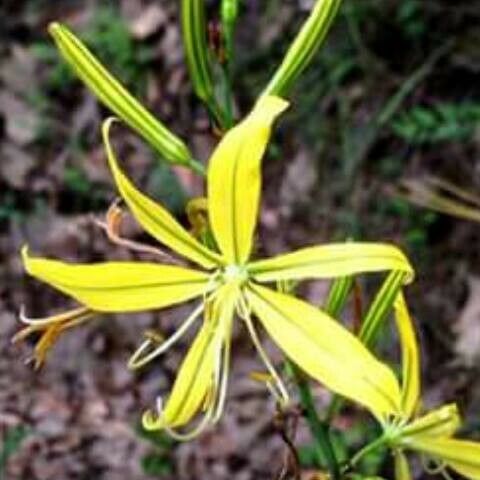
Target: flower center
235	273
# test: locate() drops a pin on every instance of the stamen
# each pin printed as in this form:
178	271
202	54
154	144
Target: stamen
433	466
50	328
277	385
112	227
61	317
140	358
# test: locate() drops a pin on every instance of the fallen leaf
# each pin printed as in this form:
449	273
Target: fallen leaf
21	121
148	22
467	345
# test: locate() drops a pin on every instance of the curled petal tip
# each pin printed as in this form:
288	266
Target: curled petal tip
24	252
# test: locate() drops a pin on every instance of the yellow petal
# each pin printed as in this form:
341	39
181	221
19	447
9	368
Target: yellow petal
195	381
410	357
234	180
441	422
155	219
119	286
461	455
402	469
332	261
326	350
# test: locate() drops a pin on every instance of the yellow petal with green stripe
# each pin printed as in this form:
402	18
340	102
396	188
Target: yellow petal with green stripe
410	357
402	468
234	180
326	350
461	455
119	286
441	422
331	261
155	219
112	94
195	382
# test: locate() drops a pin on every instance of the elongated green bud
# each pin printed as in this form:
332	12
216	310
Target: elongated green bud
194	30
380	307
114	96
304	47
229	14
338	295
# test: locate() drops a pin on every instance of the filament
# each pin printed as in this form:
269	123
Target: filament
139	358
111	226
59	318
435	467
277	386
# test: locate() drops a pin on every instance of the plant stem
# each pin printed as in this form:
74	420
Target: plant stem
318	428
197	167
371	447
227	94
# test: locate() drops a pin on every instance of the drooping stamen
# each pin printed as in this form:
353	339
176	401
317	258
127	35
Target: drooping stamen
112	227
278	387
433	466
140	358
50	328
58	318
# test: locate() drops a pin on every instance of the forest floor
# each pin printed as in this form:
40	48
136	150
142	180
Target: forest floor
395	94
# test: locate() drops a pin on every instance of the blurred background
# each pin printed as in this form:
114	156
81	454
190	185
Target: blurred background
394	95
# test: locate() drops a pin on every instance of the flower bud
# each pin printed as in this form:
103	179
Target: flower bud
304	47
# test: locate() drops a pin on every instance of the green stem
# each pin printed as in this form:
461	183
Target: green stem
318	428
227	94
371	447
197	167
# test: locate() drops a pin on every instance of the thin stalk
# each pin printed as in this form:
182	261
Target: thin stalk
320	430
371	447
227	94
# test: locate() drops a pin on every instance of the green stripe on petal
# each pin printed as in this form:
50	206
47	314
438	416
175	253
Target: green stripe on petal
326	350
381	307
155	219
197	383
441	422
461	455
234	180
410	357
119	286
332	261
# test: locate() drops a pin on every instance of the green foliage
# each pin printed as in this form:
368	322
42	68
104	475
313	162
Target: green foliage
411	19
417	224
11	443
76	181
158	462
9	210
422	125
107	34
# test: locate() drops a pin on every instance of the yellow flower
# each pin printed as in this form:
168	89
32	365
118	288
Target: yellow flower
429	434
228	283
